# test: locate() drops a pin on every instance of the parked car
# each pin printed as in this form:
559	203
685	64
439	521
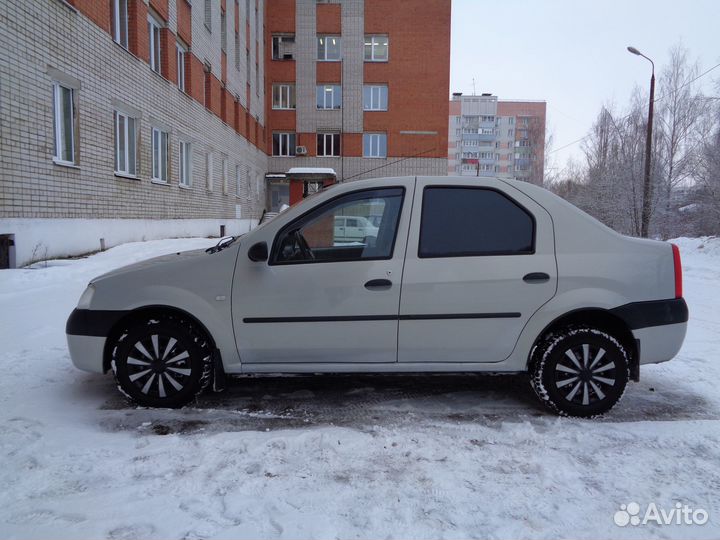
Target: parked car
465	274
354	229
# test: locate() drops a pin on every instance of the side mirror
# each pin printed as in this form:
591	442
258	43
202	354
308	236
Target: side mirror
258	252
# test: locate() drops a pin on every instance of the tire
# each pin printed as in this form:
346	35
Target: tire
162	361
579	371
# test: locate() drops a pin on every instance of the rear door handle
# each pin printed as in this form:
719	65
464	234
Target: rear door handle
536	277
378	284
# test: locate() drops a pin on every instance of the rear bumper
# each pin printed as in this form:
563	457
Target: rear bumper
659	326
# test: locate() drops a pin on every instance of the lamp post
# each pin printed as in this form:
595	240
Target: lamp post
647	186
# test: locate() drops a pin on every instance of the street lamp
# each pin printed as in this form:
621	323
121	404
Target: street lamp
647	186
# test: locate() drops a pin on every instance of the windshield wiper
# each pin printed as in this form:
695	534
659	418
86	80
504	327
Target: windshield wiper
224	242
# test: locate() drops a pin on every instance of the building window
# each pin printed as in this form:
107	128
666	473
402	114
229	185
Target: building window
185	163
374	145
328	144
238	180
181	51
237	50
375	97
283	96
64	123
329	48
225	177
511	120
223	30
125	144
120	22
154	33
283	47
208	15
159	155
376	48
283	144
329	96
209	171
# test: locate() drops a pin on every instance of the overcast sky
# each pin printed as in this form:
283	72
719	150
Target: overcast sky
572	53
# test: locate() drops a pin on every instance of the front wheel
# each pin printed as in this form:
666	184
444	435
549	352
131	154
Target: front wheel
580	371
162	361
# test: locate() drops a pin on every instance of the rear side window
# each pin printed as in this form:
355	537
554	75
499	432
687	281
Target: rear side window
465	222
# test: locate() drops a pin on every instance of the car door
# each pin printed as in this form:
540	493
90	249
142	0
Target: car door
479	264
317	300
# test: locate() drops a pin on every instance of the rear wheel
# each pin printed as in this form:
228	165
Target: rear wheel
162	361
580	371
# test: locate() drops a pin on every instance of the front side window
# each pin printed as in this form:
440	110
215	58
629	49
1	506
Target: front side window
328	144
120	22
159	155
375	145
185	163
329	96
376	48
354	227
64	123
283	144
375	97
329	48
154	33
467	222
125	144
283	96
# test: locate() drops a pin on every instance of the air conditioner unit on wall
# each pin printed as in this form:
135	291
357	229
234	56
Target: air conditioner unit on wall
300	150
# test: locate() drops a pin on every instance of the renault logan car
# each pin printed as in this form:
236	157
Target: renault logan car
464	275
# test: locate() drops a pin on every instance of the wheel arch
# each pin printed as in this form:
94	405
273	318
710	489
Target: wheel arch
599	318
146	311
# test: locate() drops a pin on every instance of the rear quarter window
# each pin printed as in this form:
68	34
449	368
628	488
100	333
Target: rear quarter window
468	221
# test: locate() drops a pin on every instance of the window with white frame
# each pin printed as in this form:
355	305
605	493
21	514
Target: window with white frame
329	48
159	155
328	144
154	33
209	171
375	97
374	145
283	47
283	144
225	176
329	96
125	144
283	96
120	22
64	123
181	52
376	48
185	163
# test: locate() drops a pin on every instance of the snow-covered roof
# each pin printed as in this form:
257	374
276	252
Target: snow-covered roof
312	170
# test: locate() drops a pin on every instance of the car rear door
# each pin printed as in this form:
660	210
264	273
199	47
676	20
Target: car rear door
480	261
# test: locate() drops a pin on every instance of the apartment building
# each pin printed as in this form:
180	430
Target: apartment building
492	137
146	117
356	86
126	120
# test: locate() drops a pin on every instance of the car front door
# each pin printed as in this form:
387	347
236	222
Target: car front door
319	299
478	266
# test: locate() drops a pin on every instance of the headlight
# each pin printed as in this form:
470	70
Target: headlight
86	298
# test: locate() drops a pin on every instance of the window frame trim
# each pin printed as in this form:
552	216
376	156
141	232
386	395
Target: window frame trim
372	58
57	115
299	222
533	248
325	48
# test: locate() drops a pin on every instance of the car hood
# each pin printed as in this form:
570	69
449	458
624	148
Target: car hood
163	260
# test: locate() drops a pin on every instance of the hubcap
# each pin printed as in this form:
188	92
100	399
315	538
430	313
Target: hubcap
158	365
584	374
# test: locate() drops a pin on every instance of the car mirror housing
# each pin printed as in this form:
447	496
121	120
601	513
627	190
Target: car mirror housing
258	252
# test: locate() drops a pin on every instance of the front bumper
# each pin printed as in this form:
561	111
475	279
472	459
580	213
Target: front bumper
87	331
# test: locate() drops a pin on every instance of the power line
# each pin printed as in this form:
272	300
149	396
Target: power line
393	162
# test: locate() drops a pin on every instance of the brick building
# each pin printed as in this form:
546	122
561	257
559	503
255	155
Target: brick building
150	117
491	137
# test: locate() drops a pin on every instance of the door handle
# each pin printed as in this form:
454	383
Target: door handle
536	277
378	284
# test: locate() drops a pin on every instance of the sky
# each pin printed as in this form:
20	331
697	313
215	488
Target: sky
572	53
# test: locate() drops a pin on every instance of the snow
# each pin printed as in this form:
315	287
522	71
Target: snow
452	456
311	170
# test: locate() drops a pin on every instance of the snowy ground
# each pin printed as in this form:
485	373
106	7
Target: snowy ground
343	456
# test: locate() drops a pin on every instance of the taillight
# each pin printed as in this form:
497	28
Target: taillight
678	271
